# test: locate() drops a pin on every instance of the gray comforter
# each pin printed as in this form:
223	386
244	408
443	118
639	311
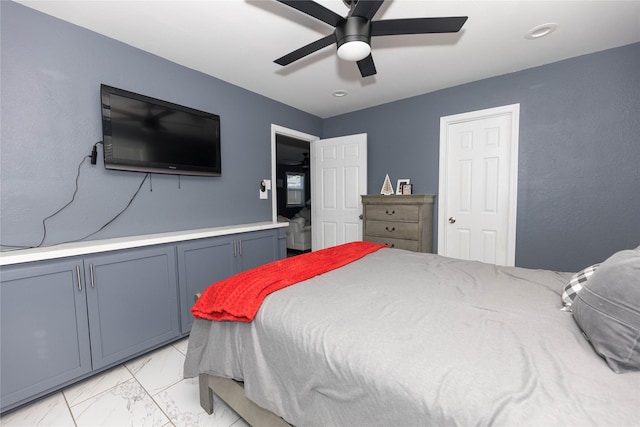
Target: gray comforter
407	339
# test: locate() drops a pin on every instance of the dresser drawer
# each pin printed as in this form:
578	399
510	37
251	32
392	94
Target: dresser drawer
391	229
410	245
404	222
393	213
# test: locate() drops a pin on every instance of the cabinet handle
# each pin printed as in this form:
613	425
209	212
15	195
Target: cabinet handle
392	229
390	213
79	277
240	251
235	252
93	285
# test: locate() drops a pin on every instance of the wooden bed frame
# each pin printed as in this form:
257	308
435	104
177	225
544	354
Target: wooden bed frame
232	392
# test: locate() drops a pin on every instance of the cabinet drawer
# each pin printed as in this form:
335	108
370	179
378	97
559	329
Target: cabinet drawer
395	230
393	213
410	245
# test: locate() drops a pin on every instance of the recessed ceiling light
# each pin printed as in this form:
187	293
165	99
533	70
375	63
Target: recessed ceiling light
540	31
340	93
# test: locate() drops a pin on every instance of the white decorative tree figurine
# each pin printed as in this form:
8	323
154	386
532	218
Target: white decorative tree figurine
387	188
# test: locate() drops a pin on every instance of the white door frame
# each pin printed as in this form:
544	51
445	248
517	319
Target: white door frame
280	130
514	111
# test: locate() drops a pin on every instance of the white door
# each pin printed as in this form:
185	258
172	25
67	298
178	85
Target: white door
478	185
338	178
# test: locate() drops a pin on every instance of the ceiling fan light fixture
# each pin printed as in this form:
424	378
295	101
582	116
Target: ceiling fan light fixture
354	50
352	37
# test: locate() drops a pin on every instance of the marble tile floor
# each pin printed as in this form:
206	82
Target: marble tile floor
145	392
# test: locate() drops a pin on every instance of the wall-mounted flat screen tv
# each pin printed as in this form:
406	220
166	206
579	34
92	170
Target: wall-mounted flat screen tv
145	134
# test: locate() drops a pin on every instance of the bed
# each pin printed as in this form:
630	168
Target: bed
399	338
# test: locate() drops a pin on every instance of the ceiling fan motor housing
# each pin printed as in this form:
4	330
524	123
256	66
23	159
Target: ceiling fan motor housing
354	28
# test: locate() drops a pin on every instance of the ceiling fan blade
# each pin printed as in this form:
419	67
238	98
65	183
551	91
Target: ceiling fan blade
367	67
315	10
306	50
392	27
366	8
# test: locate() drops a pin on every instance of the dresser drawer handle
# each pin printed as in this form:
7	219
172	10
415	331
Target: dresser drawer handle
390	213
390	230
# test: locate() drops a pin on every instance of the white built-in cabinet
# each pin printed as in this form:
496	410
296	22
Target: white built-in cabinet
64	319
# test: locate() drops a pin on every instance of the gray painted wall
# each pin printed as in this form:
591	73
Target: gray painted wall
579	153
578	198
51	75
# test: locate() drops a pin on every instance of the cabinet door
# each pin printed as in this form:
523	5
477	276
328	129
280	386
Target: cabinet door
200	264
132	300
282	243
44	339
256	248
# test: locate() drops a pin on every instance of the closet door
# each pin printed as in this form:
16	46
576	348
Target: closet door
478	185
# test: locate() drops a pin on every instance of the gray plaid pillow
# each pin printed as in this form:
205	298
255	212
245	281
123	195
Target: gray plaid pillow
575	285
607	310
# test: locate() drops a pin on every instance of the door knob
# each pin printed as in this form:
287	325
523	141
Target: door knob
452	220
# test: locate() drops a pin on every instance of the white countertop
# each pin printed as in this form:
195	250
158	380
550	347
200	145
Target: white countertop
95	246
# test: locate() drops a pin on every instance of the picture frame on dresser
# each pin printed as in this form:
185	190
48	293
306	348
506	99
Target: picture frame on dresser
400	183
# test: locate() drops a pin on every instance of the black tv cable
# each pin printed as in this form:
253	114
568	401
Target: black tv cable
73	197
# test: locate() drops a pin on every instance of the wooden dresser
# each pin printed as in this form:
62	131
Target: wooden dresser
403	222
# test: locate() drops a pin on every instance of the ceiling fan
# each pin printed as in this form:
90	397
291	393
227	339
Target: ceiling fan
304	163
353	33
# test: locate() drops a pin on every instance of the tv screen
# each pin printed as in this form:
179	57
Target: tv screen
149	135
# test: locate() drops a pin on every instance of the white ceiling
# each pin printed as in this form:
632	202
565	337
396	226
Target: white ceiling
237	41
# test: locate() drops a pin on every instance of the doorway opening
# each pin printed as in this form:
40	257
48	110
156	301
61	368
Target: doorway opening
292	187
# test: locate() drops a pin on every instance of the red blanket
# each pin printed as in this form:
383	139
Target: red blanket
239	297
